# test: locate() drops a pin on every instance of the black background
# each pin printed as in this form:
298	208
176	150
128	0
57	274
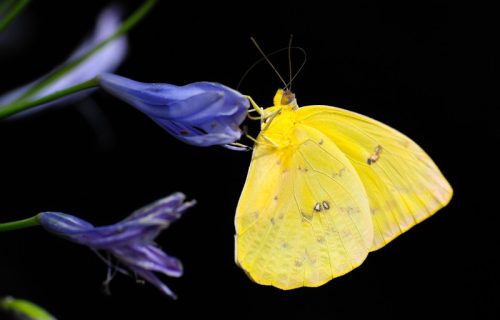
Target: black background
422	69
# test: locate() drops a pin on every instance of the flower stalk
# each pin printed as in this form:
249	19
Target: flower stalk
12	13
23	105
19	224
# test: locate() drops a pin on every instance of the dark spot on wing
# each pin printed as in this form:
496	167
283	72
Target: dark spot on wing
326	205
317	207
375	156
339	173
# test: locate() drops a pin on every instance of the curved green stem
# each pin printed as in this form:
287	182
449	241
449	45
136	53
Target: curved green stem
23	105
24	309
128	24
19	224
13	13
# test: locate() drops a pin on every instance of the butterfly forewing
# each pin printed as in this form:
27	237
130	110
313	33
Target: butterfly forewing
403	184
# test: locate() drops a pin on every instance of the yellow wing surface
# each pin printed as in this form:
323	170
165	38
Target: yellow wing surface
403	184
325	187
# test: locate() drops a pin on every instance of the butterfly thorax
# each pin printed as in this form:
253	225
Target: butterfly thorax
284	100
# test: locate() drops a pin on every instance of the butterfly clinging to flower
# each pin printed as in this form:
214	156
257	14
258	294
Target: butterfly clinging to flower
325	187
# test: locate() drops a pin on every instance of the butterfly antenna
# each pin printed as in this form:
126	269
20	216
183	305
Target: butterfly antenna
290	61
268	61
301	66
243	77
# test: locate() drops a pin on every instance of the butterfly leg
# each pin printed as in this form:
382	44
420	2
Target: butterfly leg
252	117
270	118
255	106
268	142
238	146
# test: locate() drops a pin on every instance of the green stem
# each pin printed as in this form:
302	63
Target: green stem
24	309
20	224
137	16
13	13
23	105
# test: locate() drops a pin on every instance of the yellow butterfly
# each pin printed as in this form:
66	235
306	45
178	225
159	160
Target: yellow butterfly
325	187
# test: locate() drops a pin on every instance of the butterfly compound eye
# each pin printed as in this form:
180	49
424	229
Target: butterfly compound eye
287	98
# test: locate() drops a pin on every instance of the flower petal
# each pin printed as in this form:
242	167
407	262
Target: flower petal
82	232
143	225
138	93
154	280
63	224
149	257
169	208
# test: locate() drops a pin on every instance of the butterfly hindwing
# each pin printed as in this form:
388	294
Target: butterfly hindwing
303	217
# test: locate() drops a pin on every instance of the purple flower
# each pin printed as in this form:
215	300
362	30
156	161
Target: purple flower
201	113
107	59
130	241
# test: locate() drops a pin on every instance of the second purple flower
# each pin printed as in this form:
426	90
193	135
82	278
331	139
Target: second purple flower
131	241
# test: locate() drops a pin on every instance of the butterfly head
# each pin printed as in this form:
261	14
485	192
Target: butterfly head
285	97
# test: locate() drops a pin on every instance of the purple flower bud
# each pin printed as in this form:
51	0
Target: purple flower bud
130	241
201	113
